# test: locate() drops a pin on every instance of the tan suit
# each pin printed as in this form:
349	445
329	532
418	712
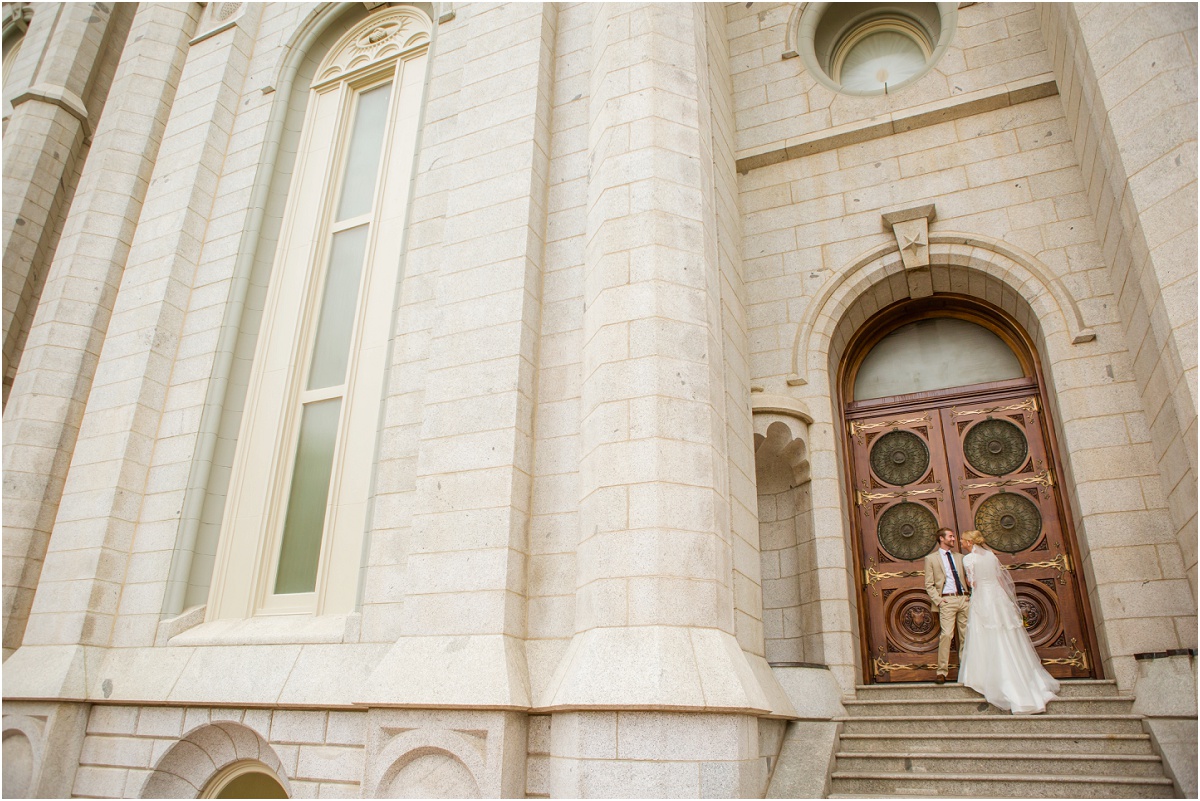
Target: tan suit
951	609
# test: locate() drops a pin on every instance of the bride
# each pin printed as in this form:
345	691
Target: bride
998	659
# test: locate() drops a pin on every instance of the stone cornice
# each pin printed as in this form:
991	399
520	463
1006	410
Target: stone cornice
923	116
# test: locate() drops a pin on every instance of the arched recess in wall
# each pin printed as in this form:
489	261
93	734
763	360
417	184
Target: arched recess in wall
24	746
786	546
210	758
428	763
194	557
1018	293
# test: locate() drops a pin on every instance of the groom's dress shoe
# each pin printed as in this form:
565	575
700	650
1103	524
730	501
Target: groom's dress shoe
940	680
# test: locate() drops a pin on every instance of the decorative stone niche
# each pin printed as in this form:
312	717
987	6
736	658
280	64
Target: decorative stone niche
785	526
18	765
24	737
415	753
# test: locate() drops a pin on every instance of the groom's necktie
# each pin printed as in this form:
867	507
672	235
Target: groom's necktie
954	573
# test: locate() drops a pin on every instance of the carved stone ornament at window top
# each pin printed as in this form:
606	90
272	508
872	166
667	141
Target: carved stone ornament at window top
218	18
223	11
375	39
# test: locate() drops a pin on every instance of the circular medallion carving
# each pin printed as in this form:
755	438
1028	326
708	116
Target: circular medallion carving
910	622
918	619
1031	613
908	531
899	457
1039	607
995	447
1011	522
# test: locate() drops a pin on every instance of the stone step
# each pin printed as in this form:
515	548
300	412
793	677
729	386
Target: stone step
978	706
953	725
1070	688
996	743
1033	764
998	785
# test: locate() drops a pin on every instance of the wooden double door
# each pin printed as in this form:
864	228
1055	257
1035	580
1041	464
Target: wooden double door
964	460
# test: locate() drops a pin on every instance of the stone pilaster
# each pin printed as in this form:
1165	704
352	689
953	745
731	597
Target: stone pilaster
88	557
655	600
46	138
1127	77
461	645
464	604
41	420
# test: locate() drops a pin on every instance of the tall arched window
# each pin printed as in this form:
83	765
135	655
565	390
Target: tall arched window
292	533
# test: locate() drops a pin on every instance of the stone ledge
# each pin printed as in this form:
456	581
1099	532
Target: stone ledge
923	116
663	668
324	676
764	403
470	671
51	672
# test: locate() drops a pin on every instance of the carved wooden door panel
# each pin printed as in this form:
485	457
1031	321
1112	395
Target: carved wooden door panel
901	498
1004	485
975	460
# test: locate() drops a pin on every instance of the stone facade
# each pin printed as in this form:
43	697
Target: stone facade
608	547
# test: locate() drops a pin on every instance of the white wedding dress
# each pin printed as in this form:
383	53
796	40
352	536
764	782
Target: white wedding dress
998	660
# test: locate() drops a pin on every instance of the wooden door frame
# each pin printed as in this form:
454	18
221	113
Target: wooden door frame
999	322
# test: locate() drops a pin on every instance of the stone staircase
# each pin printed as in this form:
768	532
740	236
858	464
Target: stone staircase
945	742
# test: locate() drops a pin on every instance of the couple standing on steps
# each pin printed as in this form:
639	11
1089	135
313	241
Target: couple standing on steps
995	655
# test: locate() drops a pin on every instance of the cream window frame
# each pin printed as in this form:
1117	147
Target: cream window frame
387	47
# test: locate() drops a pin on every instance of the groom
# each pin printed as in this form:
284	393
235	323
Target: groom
946	583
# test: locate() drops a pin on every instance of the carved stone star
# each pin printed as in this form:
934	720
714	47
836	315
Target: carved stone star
912	242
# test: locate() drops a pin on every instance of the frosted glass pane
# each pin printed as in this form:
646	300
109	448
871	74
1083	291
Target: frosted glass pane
881	58
934	354
362	159
338	303
309	495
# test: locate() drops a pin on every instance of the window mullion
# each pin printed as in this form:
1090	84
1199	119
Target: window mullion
324	393
352	222
322	400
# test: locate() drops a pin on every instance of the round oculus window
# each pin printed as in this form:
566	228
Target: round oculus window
872	48
880	54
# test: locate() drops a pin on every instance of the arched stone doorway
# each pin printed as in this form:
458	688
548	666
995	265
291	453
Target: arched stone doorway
945	420
1065	321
